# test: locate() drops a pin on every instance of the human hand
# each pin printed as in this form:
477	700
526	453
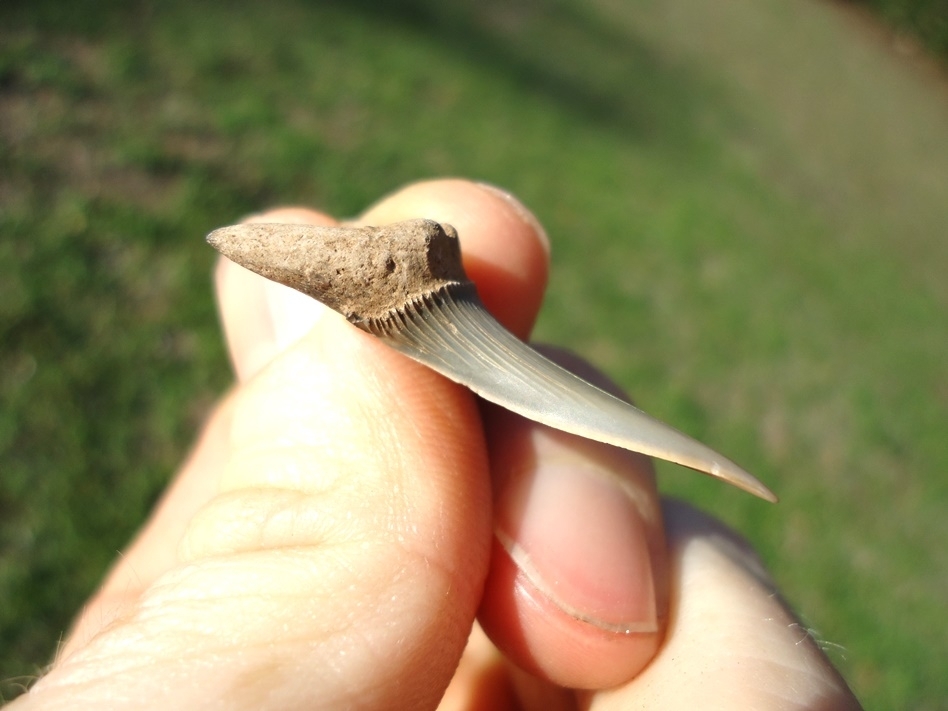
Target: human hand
347	513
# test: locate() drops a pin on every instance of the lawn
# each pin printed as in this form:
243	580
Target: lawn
746	201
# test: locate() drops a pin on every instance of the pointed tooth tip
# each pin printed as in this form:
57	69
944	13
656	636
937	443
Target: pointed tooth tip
734	475
767	495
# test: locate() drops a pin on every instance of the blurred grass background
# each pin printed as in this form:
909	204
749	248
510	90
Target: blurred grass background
746	198
926	20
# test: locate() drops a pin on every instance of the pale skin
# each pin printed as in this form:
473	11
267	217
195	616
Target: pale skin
353	530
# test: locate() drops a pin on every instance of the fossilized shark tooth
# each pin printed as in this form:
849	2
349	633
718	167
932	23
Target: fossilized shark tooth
405	284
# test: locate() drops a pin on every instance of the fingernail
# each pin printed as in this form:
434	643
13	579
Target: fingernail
292	314
572	526
521	210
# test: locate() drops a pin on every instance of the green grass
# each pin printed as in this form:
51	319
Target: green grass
926	19
746	202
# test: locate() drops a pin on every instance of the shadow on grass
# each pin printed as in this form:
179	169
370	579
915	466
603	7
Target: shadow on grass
563	51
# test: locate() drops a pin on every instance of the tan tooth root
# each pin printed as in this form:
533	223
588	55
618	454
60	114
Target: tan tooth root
363	273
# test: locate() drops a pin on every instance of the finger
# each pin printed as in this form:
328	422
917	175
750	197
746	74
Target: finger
481	682
260	319
504	248
577	591
603	623
338	536
318	444
731	637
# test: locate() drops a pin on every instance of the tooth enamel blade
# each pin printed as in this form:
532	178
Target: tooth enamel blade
452	333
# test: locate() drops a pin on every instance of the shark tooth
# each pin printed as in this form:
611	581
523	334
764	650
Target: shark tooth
405	284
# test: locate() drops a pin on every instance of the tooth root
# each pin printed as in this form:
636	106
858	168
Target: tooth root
451	332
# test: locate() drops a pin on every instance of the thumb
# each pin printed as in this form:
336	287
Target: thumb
338	560
354	514
326	543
